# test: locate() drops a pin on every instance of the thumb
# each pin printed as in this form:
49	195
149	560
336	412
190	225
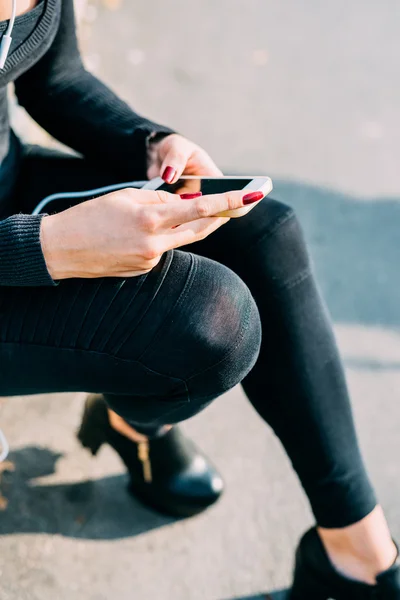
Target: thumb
174	163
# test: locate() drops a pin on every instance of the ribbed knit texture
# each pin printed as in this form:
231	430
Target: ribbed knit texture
21	256
53	85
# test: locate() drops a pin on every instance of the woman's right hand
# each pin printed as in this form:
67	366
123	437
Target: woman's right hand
125	233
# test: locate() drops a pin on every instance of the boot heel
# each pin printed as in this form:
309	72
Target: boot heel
305	587
315	578
89	435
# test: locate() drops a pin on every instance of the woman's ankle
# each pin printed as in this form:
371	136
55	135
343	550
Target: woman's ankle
363	550
123	428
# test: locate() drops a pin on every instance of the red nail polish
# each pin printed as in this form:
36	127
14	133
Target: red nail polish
169	174
191	196
252	197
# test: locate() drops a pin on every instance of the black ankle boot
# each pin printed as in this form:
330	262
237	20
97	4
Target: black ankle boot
315	578
167	473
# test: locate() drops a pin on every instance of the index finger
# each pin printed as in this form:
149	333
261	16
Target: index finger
176	213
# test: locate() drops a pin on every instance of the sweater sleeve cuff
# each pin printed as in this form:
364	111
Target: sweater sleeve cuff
140	143
21	257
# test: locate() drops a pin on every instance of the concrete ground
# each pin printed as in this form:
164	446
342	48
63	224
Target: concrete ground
307	92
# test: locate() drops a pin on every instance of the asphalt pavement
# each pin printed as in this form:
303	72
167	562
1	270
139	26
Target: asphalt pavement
308	93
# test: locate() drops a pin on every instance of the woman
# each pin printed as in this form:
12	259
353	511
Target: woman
97	298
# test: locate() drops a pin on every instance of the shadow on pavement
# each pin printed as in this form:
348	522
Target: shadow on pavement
277	595
98	509
355	246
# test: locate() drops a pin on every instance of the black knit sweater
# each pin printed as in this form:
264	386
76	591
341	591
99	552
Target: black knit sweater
52	84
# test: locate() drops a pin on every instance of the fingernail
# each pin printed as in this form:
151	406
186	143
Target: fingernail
169	174
252	197
191	196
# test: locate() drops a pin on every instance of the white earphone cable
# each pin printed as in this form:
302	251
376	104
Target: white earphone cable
13	13
87	193
7	39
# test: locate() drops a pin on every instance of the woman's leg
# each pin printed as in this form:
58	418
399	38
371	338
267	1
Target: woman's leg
45	171
298	384
145	342
183	481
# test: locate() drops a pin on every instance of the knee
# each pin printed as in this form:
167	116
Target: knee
226	331
279	250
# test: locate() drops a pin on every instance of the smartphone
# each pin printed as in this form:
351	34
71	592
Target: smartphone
216	185
207	185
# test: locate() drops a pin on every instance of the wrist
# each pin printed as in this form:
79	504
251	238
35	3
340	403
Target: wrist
156	136
53	247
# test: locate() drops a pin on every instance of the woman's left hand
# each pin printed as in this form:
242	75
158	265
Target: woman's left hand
174	156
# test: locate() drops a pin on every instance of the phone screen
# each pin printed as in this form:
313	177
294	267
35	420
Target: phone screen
205	186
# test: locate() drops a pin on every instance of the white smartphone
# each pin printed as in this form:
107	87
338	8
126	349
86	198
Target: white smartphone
216	185
190	184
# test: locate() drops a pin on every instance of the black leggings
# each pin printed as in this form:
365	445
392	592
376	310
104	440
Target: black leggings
164	345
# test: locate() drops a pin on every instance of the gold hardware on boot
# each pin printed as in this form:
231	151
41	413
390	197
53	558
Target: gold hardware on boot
144	457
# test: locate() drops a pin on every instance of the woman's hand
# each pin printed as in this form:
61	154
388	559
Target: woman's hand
125	233
174	156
